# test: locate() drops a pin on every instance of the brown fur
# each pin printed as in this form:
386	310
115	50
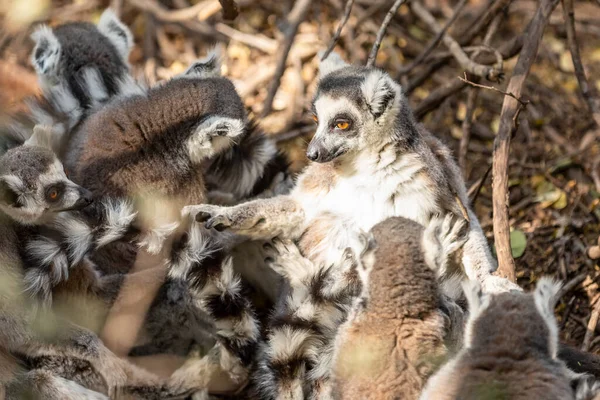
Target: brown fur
390	350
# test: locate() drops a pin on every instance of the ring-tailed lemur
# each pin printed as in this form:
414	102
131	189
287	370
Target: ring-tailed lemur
34	191
80	66
371	161
406	302
510	349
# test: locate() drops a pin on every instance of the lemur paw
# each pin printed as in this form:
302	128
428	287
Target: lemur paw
238	220
492	284
454	232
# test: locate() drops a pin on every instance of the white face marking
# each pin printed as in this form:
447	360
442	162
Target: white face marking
95	86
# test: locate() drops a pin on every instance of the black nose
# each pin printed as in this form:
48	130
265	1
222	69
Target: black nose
312	154
86	196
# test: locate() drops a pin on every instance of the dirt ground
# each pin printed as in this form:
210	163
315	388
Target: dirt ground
553	169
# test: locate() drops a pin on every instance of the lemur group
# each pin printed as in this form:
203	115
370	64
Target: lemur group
367	276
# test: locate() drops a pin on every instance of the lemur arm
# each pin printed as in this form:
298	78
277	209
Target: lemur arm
258	219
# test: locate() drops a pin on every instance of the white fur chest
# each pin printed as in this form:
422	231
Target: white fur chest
394	186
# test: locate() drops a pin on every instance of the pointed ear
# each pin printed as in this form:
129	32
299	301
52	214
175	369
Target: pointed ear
118	34
208	67
7	195
332	63
46	51
380	92
45	136
545	295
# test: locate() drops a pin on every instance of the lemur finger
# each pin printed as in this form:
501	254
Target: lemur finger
219	222
285	246
202	216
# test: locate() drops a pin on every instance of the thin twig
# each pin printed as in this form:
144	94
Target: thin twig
466	130
508	118
591	327
522	102
437	97
436	40
481	22
587	91
295	18
338	31
230	9
381	33
492	73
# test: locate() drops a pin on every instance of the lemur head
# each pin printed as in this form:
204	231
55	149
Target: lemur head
356	108
526	319
33	183
80	64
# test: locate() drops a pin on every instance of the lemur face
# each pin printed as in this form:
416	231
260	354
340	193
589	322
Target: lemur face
354	108
34	186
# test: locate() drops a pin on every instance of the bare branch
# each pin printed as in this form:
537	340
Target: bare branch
522	102
230	9
489	72
406	69
466	130
587	90
381	33
338	31
591	327
295	18
508	118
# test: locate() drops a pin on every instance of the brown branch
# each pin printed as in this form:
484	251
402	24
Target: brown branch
591	327
587	91
381	33
492	73
338	31
295	18
521	102
508	117
467	124
436	40
182	17
437	97
481	22
230	9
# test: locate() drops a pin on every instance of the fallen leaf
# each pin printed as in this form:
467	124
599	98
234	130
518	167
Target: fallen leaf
518	242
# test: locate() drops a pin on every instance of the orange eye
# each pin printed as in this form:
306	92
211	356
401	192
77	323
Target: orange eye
343	125
314	117
53	194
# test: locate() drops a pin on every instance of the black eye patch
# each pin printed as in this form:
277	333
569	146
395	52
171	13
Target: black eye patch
55	192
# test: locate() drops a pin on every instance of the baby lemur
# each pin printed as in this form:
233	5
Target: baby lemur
371	161
510	350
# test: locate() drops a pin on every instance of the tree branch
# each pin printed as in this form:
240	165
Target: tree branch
508	117
381	33
491	73
338	31
230	9
406	69
587	91
295	18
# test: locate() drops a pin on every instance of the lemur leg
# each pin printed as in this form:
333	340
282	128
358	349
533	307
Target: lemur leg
257	219
215	289
298	353
46	385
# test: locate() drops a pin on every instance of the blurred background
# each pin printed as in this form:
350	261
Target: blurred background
553	167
